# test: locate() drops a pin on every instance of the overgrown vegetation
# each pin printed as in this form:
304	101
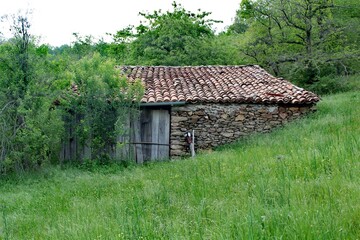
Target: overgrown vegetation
41	94
314	43
297	182
99	104
30	132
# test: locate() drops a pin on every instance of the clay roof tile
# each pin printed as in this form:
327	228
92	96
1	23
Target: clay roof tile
240	84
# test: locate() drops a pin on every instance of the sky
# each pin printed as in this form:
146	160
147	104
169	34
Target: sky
54	21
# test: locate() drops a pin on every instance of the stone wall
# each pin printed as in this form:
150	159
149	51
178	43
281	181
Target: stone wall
217	124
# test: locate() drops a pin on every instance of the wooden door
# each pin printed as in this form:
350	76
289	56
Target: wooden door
152	135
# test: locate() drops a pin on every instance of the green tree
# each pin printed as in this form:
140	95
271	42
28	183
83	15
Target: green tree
177	37
347	15
29	131
241	24
38	96
298	37
120	46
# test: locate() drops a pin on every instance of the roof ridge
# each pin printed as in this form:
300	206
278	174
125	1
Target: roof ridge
187	66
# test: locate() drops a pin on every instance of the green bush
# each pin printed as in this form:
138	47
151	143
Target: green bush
37	97
101	105
334	84
30	130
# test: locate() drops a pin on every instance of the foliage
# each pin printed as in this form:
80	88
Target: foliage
37	98
29	131
299	182
334	84
177	37
347	15
240	24
297	38
312	42
99	102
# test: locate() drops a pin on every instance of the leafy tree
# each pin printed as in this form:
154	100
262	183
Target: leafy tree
240	24
82	45
28	130
37	98
170	38
120	46
298	37
347	15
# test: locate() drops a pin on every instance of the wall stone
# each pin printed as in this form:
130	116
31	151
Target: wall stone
218	124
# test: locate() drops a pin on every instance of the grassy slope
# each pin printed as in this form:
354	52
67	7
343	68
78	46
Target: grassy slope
300	182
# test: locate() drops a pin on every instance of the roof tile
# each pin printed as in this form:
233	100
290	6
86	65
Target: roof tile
240	84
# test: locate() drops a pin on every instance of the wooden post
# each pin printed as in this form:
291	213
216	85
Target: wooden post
192	144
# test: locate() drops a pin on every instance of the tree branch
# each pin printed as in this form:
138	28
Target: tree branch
6	105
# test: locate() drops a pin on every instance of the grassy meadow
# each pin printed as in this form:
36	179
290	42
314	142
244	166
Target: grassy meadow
298	182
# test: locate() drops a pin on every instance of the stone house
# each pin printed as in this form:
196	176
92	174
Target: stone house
220	103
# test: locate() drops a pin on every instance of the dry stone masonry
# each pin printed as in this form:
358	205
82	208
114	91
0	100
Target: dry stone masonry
217	124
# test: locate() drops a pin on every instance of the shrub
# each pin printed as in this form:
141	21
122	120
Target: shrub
98	104
334	84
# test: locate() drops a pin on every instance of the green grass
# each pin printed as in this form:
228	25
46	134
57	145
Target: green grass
299	182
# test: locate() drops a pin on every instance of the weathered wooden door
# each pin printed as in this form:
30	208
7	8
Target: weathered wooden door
152	135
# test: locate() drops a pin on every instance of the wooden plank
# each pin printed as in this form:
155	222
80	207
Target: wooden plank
137	137
155	122
122	149
132	148
164	135
145	133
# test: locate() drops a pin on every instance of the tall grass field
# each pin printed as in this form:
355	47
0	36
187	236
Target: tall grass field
299	182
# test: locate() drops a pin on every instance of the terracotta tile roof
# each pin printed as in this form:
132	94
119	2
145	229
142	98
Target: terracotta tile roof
240	84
